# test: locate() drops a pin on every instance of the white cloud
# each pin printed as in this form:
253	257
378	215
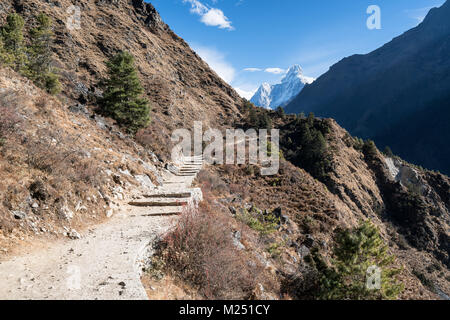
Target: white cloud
252	69
275	70
245	94
216	60
210	16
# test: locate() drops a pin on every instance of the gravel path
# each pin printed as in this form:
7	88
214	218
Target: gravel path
106	262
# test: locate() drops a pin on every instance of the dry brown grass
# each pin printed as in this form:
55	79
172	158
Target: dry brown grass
9	118
200	250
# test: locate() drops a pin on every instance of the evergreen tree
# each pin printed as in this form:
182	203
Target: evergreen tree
122	99
253	117
12	34
356	252
5	57
369	149
247	105
265	121
311	119
388	152
39	67
280	112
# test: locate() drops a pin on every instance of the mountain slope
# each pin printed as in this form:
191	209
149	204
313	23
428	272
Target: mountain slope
391	91
180	85
274	96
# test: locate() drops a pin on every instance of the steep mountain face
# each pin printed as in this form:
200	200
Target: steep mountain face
397	94
92	165
180	85
274	96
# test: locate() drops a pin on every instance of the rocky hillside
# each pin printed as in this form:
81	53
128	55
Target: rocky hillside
64	168
61	169
92	162
388	94
181	87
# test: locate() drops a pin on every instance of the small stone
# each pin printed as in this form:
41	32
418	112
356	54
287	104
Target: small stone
19	215
74	235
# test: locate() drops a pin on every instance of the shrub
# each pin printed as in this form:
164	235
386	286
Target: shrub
355	251
61	158
211	182
200	250
263	223
9	118
122	99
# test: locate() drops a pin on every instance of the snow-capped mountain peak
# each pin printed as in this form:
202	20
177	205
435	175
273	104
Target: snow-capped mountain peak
273	96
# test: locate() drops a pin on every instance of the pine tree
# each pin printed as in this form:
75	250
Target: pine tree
356	251
39	67
5	57
122	99
280	112
388	152
311	119
12	34
253	117
370	149
265	122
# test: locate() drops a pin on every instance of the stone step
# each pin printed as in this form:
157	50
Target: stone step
184	174
158	211
175	182
178	195
190	169
169	202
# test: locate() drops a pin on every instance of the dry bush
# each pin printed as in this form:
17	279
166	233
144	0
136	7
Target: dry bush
57	154
88	172
9	118
211	182
156	138
50	151
6	222
200	250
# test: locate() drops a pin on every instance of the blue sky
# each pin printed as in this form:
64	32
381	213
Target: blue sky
248	42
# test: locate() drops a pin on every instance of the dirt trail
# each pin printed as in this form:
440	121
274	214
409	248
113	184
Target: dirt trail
106	262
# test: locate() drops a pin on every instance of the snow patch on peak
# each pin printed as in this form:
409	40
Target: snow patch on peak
272	96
